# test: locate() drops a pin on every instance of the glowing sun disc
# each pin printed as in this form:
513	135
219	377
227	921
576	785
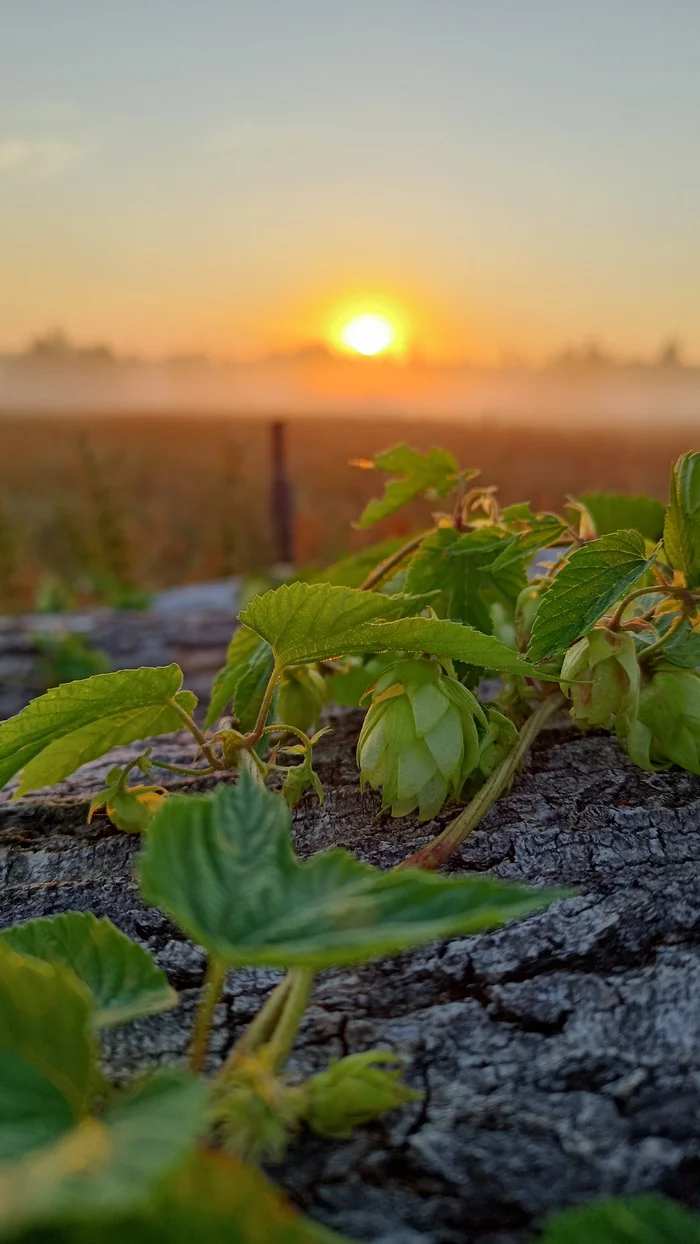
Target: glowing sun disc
367	334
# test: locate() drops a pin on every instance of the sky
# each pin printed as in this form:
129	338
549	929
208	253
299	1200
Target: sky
505	177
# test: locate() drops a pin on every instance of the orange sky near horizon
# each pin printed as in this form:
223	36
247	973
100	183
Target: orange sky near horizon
236	179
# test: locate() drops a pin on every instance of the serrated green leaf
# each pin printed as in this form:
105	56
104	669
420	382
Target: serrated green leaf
47	1055
542	532
121	976
588	584
634	1220
109	1165
437	472
314	622
243	679
213	1199
223	866
682	526
79	721
612	511
453	564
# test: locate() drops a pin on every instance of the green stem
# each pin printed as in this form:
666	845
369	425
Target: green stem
211	992
655	648
285	1034
262	1027
679	593
161	764
384	568
253	765
256	733
438	851
194	729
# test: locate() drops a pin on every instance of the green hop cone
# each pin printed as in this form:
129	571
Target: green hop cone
600	675
301	696
665	729
420	738
354	1091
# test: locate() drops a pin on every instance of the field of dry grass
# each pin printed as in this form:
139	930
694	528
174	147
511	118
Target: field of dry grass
158	500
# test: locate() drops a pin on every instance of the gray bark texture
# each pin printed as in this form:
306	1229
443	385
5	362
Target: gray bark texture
558	1056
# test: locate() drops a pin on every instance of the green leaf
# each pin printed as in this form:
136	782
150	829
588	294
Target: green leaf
249	663
636	1220
47	1056
588	584
454	564
121	976
611	511
314	622
213	1199
682	526
109	1165
223	867
541	532
436	472
352	571
79	721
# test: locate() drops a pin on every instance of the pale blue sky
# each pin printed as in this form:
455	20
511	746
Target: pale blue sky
514	174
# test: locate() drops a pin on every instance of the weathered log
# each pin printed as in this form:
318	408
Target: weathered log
559	1056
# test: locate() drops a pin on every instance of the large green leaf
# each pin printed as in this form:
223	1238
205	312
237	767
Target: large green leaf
314	622
242	681
109	1165
121	976
682	526
636	1220
222	865
588	584
213	1199
612	511
79	721
436	472
461	568
46	1052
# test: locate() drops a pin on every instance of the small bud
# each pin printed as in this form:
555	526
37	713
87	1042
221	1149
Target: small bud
600	675
130	808
257	1110
354	1091
419	741
665	729
302	694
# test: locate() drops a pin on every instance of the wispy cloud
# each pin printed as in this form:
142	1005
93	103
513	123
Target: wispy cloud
39	157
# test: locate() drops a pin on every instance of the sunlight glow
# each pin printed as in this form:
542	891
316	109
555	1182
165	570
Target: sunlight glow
368	334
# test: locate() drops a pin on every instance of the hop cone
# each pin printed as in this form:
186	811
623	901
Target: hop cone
419	740
600	675
665	729
354	1091
302	695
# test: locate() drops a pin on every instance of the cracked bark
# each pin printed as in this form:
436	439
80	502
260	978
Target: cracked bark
558	1056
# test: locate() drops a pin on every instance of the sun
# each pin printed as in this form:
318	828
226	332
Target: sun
368	334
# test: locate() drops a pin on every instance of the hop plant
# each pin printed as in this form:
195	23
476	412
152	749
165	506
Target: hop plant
497	741
665	729
600	675
420	739
354	1091
302	694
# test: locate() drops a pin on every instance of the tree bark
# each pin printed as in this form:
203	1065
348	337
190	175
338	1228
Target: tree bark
558	1056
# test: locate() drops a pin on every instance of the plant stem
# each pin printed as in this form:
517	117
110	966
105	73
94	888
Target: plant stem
161	764
260	1030
194	729
256	733
680	593
438	851
655	648
211	992
384	568
285	1033
250	762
